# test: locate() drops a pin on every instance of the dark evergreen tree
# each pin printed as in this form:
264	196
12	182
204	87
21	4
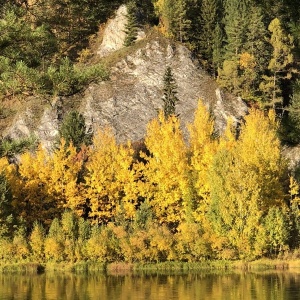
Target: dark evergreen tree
272	9
73	130
180	23
217	49
254	56
170	93
6	209
294	28
131	27
256	43
290	126
236	21
145	12
208	20
10	148
194	30
235	27
20	40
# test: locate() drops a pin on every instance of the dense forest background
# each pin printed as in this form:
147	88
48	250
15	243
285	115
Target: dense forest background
164	198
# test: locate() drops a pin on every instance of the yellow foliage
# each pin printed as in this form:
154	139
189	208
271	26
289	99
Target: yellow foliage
228	139
28	187
44	184
3	164
54	249
247	61
110	183
294	195
190	242
37	242
260	152
162	8
229	76
20	247
63	169
161	243
247	179
166	172
139	243
6	250
202	148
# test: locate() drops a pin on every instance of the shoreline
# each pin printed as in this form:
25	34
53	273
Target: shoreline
118	268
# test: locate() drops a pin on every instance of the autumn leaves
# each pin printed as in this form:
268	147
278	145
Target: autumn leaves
222	190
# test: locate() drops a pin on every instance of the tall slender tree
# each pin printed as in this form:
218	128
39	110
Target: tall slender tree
166	177
73	130
279	64
208	22
170	93
217	49
174	21
131	26
235	26
180	23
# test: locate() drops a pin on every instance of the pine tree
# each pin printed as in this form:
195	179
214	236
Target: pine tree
73	130
236	21
20	41
273	9
254	56
180	24
131	26
217	49
290	130
279	65
208	17
235	26
72	21
174	22
256	43
170	93
6	208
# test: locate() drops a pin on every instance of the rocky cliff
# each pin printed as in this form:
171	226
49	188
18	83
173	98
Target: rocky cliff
133	94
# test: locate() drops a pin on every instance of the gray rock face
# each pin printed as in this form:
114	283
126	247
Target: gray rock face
133	95
114	34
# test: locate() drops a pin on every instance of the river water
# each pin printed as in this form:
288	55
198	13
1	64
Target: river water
268	285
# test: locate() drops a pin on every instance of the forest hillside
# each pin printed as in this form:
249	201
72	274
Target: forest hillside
130	94
150	131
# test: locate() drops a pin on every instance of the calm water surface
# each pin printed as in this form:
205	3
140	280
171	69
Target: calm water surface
228	286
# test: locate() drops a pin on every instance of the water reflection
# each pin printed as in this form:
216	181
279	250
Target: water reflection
235	286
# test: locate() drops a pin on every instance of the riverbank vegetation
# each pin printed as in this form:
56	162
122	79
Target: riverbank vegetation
166	199
174	196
